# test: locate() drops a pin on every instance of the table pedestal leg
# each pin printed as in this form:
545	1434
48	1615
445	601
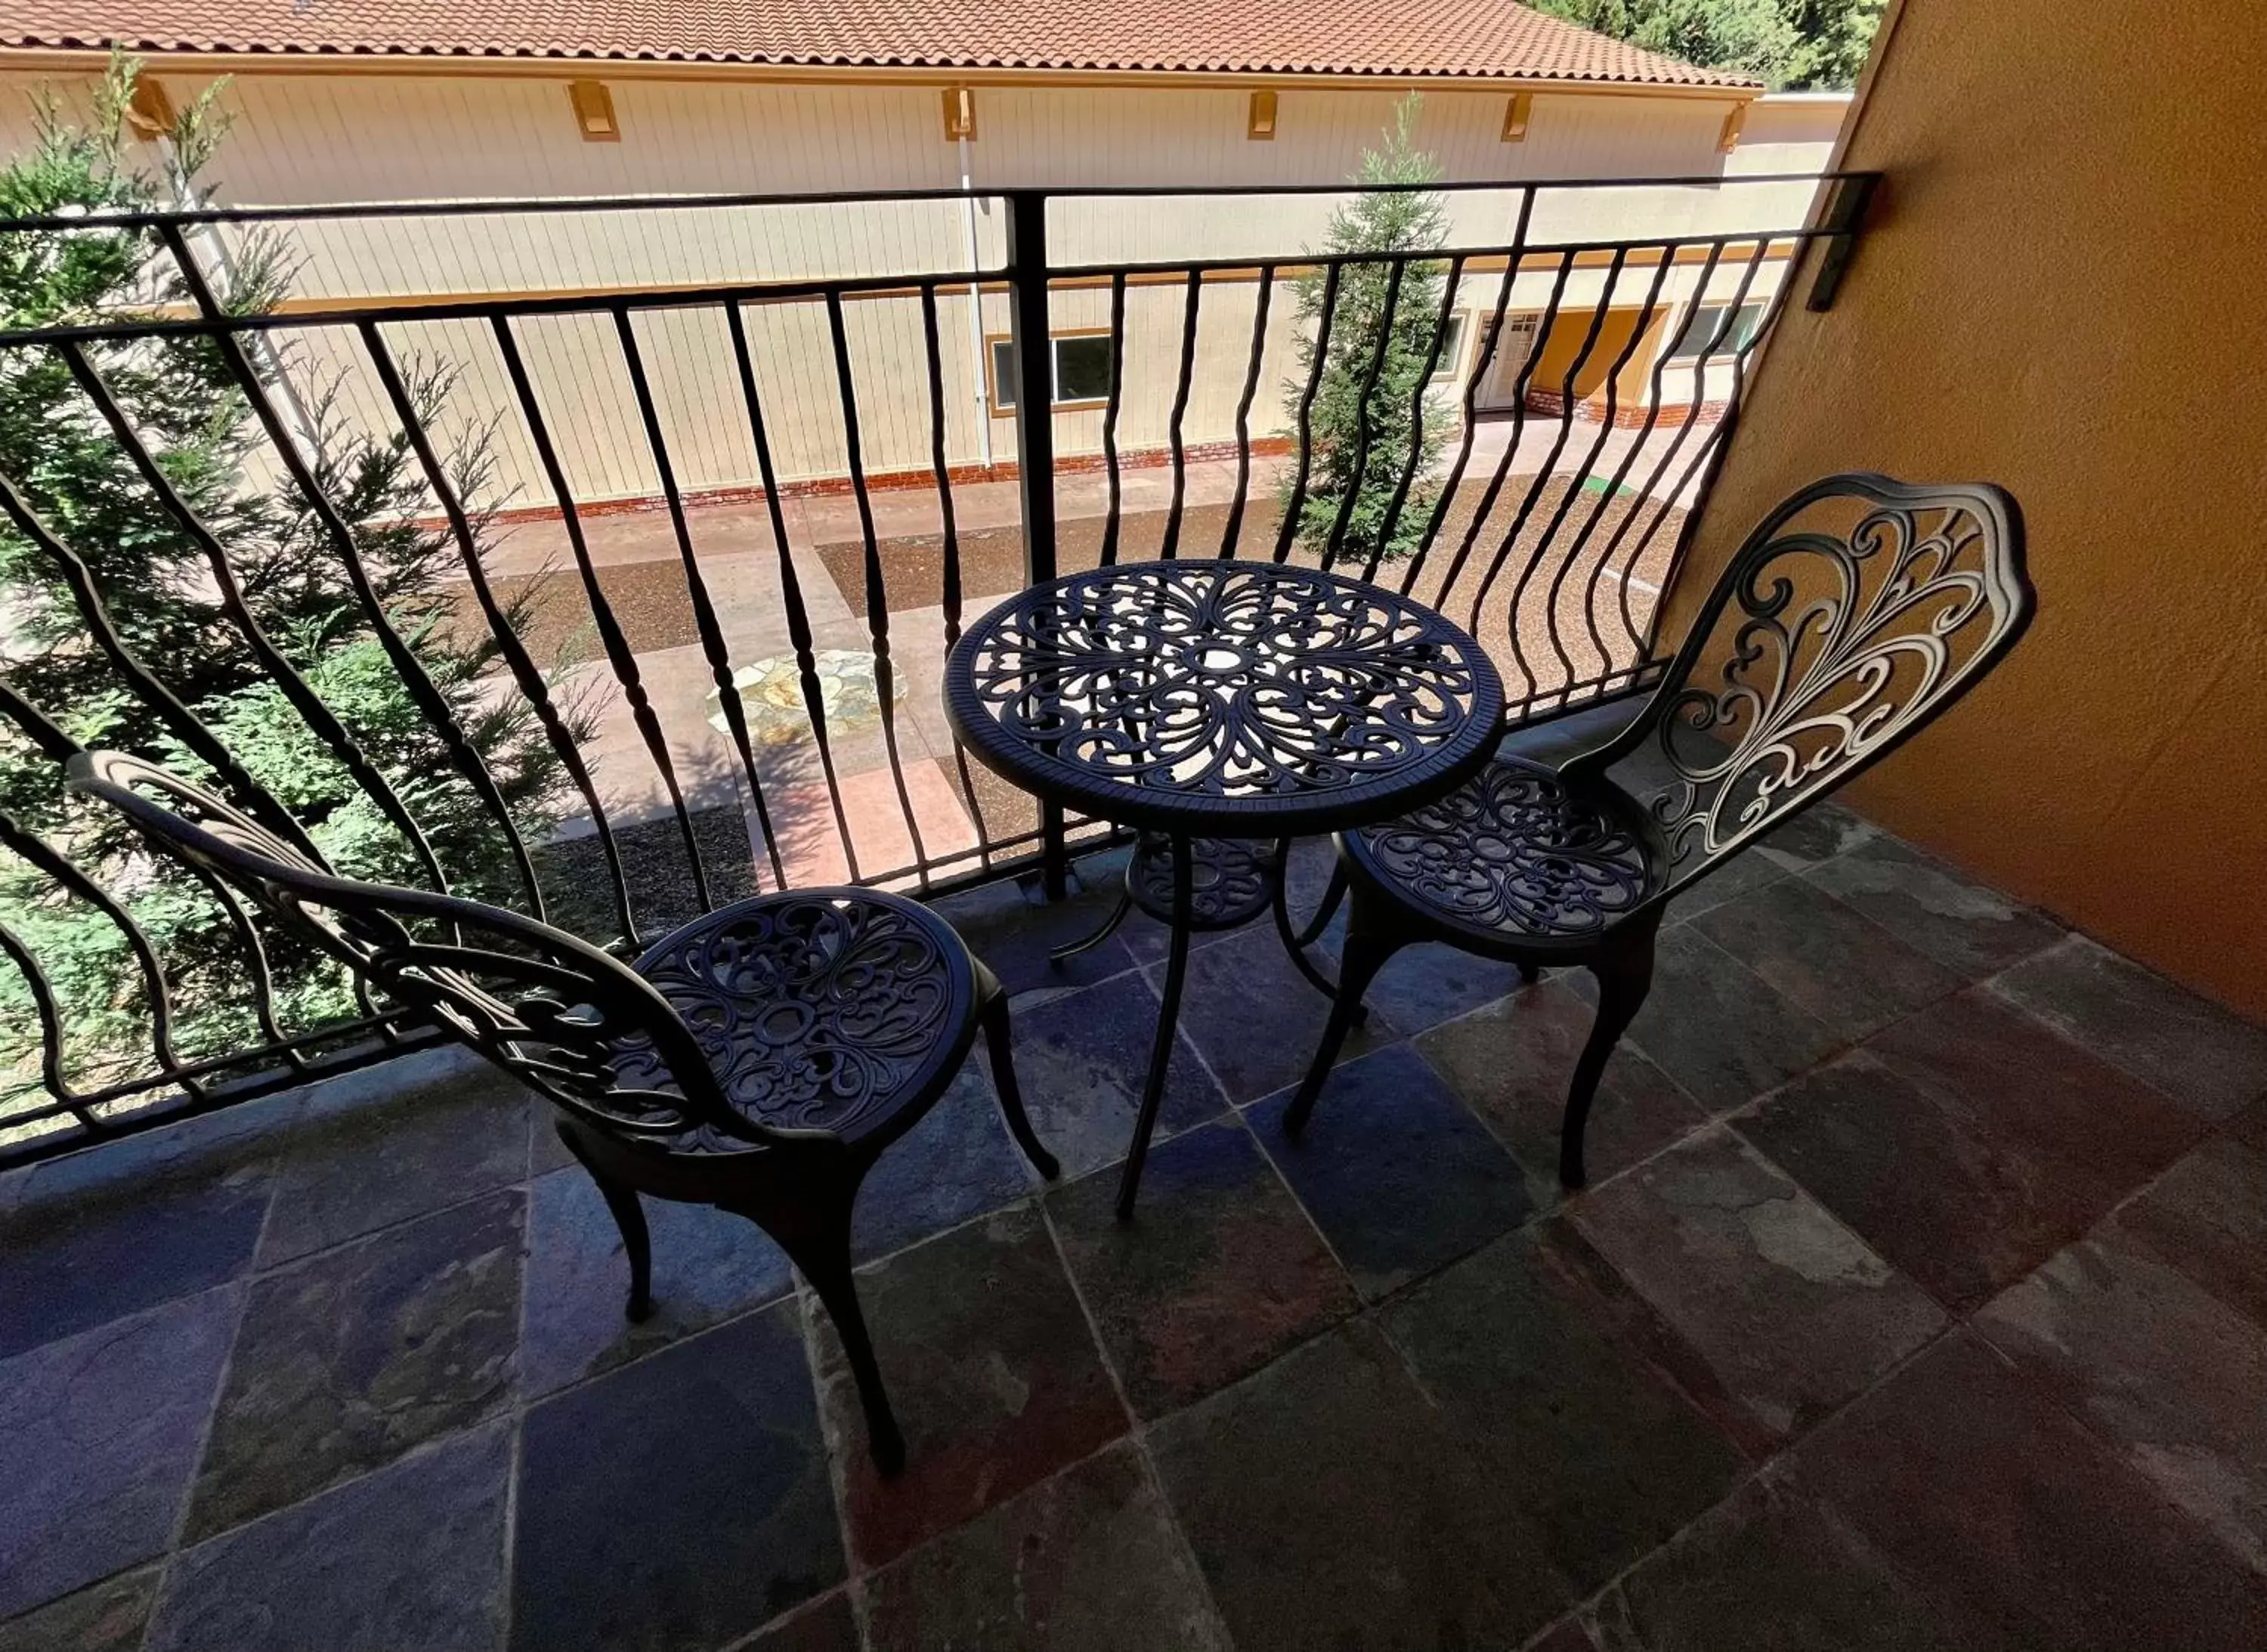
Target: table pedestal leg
1169	1015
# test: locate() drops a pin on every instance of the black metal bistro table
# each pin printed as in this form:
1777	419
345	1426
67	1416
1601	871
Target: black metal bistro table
1208	698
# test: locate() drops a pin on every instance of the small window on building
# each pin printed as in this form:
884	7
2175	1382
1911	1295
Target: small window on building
1699	337
1081	375
1448	367
1083	367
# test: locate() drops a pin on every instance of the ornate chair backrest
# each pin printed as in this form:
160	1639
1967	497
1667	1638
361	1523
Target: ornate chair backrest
1855	612
575	1025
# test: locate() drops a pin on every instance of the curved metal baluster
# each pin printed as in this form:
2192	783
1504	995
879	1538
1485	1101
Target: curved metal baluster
1235	524
1486	507
712	646
1582	475
1714	450
1296	503
1483	359
951	592
51	1028
263	979
1543	473
1179	450
1353	493
34	850
1629	461
1109	416
799	617
619	655
523	669
1416	400
430	700
878	599
178	717
1699	400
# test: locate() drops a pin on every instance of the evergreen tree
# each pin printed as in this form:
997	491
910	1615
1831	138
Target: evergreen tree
1342	461
178	395
1795	45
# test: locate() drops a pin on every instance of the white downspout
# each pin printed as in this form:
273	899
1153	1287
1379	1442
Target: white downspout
975	313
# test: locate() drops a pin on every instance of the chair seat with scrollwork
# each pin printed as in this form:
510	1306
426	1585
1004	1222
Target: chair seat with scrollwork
1858	611
1519	856
836	1010
759	1059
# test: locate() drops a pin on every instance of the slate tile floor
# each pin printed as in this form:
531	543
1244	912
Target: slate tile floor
1920	1302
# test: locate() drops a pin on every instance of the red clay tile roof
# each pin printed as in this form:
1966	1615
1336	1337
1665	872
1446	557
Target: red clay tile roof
1482	39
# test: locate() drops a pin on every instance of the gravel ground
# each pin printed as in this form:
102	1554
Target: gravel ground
580	889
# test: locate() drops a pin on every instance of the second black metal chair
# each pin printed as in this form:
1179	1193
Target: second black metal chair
1854	613
759	1059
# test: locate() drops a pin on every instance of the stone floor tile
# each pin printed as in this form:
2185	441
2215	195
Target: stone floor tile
1768	1572
2011	1078
410	1556
2017	1524
1741	875
1082	1060
677	1503
991	1369
1792	1312
1087	1561
826	1626
1849	974
1513	1062
707	1266
1398	1173
357	1171
2208	1059
348	1359
2251	1126
1570	1634
2207	1216
1817	835
1011	927
83	1248
2170	1376
1542	1367
1969	929
958	1162
1255	1019
1963	1205
1714	1026
112	1616
1219	1272
1330	1505
99	1436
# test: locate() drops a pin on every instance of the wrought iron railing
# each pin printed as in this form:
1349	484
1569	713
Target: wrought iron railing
1593	385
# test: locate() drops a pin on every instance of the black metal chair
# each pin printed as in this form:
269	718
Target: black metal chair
1855	612
759	1059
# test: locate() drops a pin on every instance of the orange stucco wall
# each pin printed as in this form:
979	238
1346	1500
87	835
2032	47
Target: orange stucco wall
2064	291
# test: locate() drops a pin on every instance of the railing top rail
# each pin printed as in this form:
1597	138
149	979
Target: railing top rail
439	307
376	209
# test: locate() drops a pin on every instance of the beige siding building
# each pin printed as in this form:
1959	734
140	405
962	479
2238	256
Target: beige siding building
361	103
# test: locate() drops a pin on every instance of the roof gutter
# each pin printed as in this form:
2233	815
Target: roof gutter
425	65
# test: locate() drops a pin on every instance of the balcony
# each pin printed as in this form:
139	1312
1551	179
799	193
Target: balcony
1918	1289
1912	1291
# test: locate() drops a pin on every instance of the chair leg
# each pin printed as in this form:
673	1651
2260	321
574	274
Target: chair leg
1297	940
1624	975
1000	1044
629	1216
1528	974
1070	949
819	1247
1365	953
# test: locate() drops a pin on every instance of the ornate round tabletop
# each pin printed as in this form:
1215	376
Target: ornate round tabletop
1225	698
